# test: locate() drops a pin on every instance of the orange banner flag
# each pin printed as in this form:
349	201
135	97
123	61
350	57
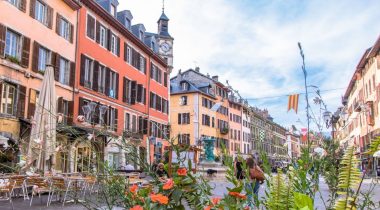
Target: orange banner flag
293	102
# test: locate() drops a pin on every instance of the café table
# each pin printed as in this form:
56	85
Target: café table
74	182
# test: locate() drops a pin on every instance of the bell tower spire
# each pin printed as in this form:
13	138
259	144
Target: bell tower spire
164	39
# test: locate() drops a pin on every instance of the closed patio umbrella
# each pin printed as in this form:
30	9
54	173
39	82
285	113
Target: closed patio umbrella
42	141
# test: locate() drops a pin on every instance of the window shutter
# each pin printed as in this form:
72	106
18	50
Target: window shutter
124	89
139	93
22	5
151	70
57	23
70	111
60	105
95	82
3	31
138	61
117	86
140	124
179	118
116	119
144	96
107	83
32	103
165	79
32	8
118	46
81	104
35	55
145	126
82	69
21	101
56	60
159	79
90	27
72	74
133	92
25	52
125	52
97	32
109	39
1	91
71	33
49	20
144	60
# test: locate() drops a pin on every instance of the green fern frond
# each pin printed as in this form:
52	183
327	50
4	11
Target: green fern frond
374	146
349	178
277	193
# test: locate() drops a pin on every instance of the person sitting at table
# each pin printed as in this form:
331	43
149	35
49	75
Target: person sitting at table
161	173
129	167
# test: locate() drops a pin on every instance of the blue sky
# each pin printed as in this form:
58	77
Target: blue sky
253	44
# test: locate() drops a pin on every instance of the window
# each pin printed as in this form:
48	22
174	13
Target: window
41	12
113	10
185	86
113	47
141	35
142	64
113	160
44	58
88	72
152	100
134	124
164	106
13	45
64	28
8	97
126	90
184	139
129	58
103	36
205	120
102	79
112	86
183	100
183	118
14	2
127	122
112	119
64	71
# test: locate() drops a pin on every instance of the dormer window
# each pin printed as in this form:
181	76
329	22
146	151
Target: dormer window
113	10
153	46
184	86
141	35
127	23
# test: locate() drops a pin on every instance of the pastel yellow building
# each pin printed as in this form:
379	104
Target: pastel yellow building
198	109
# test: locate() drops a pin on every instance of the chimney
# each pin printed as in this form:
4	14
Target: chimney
179	76
216	77
197	69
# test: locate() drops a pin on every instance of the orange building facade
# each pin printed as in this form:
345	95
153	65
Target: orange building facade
32	33
122	76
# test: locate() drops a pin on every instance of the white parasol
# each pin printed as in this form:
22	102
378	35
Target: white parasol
42	142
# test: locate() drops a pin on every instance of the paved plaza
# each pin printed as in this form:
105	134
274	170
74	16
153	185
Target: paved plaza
219	190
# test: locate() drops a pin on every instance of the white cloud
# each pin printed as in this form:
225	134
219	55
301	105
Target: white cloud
255	46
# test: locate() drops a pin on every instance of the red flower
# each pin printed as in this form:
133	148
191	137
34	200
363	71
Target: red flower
238	195
133	188
247	208
159	198
181	172
215	200
168	185
137	207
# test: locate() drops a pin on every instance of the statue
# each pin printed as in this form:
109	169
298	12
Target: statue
209	149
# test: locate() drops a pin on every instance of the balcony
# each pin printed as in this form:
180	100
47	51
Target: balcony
224	130
133	136
357	107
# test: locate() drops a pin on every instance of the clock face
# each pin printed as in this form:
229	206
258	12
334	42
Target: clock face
165	47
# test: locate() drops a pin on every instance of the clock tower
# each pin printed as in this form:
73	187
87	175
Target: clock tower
165	41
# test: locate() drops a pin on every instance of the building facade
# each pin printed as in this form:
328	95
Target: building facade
120	72
235	122
246	131
25	51
361	105
199	109
293	143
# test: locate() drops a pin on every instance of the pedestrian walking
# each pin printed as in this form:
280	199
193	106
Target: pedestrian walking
239	169
257	177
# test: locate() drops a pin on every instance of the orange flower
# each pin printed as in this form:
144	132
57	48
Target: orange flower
207	208
168	185
137	207
247	208
159	198
238	195
133	188
215	200
181	172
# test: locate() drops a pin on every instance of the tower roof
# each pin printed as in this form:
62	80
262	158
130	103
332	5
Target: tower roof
163	17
